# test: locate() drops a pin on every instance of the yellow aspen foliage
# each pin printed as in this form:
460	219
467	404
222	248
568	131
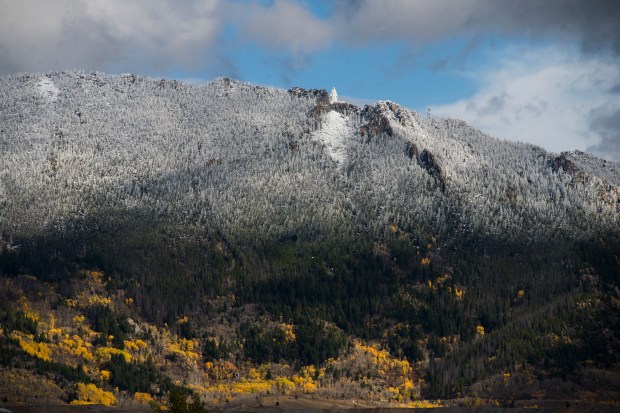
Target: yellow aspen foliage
254	374
309	387
520	294
134	345
27	343
308	371
104	375
29	313
184	348
96	299
423	404
245	387
408	384
105	354
305	380
284	385
459	293
51	331
54	333
91	394
480	330
32	315
289	333
76	346
94	276
130	345
183	320
242	387
128	301
425	261
142	397
395	393
222	370
79	319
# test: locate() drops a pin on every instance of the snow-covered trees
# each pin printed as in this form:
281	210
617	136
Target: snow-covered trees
252	162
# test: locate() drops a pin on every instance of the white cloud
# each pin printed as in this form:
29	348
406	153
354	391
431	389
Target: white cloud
284	25
409	20
106	34
128	35
543	96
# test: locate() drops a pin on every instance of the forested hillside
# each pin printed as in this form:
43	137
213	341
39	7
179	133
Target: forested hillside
257	240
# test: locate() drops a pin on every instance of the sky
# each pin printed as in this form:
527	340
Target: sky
540	71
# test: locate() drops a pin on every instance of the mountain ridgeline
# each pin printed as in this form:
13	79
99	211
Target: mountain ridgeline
238	206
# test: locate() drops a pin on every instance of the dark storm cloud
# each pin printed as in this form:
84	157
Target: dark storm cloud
608	128
594	23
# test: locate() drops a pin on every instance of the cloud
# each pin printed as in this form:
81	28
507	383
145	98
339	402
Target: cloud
547	97
608	127
284	25
594	23
107	34
165	34
414	21
152	35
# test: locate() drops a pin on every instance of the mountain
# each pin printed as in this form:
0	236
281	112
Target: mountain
270	232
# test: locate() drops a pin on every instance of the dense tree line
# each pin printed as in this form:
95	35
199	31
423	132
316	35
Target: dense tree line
136	377
314	343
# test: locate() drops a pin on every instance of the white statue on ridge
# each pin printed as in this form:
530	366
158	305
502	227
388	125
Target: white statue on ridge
333	96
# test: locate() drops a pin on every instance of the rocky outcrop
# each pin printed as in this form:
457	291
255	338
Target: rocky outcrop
345	108
610	194
563	163
411	150
318	94
377	123
428	162
399	112
323	104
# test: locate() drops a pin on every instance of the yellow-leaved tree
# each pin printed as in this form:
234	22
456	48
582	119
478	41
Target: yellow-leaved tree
91	394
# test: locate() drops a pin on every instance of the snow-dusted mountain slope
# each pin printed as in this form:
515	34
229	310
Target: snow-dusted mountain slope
334	132
261	163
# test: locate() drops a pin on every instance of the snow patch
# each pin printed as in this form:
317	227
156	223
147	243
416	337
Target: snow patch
333	133
48	90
